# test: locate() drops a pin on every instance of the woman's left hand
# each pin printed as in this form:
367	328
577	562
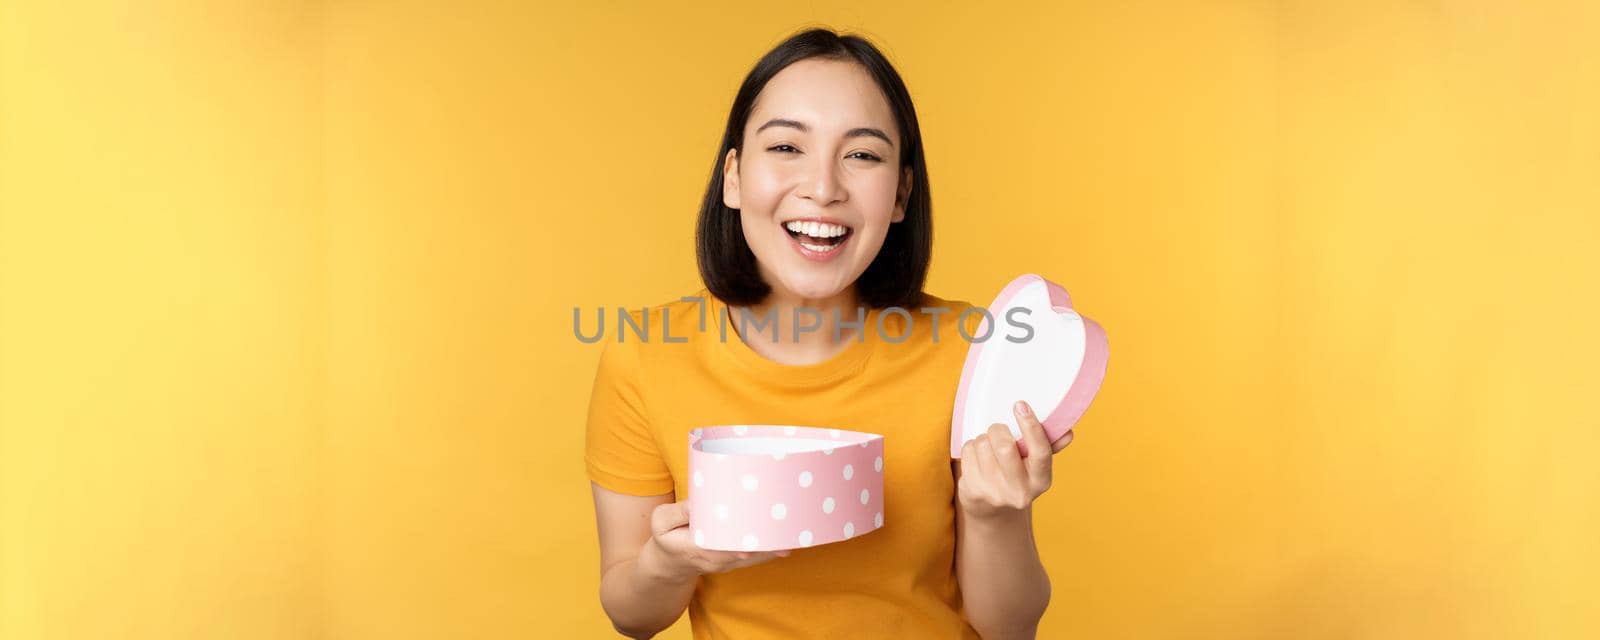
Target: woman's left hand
996	481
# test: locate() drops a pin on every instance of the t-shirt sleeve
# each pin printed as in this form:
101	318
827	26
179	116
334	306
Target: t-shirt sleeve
620	450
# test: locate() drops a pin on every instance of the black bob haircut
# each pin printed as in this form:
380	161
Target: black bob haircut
896	275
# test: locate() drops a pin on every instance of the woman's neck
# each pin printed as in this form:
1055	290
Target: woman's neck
821	329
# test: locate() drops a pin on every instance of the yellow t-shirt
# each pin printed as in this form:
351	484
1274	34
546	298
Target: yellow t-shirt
898	581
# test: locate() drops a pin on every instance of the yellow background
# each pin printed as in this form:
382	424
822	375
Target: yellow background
286	294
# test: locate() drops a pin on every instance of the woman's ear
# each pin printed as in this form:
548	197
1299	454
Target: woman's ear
902	196
730	179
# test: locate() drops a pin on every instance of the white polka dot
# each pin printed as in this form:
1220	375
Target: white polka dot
779	511
828	451
805	538
741	429
749	482
778	456
849	471
827	505
805	478
865	496
750	542
699	480
699	538
849	529
788	431
877	520
833	433
721	511
877	464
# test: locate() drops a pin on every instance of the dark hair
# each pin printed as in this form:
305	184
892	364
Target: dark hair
897	273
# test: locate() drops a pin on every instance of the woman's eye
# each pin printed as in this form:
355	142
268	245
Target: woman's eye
784	148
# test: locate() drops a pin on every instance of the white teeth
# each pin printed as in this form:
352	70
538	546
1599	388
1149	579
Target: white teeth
816	229
819	248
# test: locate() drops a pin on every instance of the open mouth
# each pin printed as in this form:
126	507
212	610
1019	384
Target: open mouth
819	237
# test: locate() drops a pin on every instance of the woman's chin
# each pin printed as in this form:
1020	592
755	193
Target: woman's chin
809	289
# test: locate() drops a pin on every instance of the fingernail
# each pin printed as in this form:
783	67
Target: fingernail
1023	409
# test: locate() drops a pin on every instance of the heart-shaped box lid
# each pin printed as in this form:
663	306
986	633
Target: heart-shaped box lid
1048	355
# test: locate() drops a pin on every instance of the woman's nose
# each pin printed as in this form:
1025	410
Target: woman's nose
823	185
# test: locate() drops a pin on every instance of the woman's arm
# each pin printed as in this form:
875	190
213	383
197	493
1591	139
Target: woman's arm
1004	587
637	592
649	565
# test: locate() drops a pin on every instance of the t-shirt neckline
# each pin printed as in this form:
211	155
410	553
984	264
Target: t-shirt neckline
848	361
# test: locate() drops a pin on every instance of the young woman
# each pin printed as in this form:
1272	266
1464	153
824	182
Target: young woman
819	202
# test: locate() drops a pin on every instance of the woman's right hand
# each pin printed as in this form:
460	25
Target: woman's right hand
678	557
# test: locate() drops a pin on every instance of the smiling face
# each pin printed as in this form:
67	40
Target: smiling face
819	180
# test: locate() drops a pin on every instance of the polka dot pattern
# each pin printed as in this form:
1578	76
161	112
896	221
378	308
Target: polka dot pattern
760	497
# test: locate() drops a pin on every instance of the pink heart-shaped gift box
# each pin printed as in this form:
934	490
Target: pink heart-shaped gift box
775	487
1056	364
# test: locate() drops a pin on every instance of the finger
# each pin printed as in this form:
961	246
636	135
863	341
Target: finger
767	556
746	559
669	516
994	477
999	437
1062	442
726	557
964	464
970	446
1033	435
982	460
1008	460
719	556
717	561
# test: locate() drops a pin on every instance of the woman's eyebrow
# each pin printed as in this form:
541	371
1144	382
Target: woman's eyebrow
853	133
